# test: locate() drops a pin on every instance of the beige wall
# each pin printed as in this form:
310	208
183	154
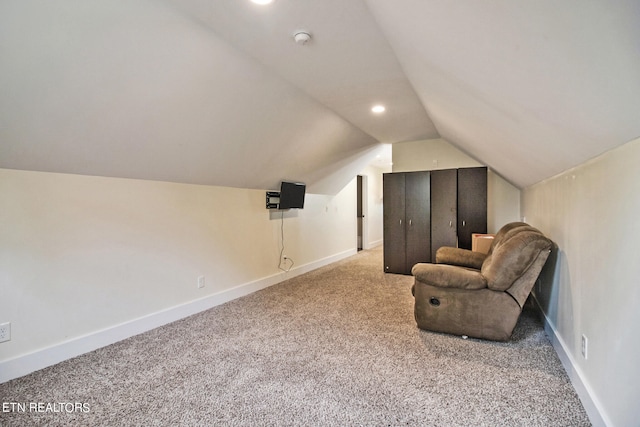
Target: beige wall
81	254
503	202
591	212
503	199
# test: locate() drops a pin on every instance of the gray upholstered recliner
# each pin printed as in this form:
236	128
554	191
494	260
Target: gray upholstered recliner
480	295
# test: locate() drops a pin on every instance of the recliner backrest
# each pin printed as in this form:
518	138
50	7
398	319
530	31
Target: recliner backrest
502	233
513	256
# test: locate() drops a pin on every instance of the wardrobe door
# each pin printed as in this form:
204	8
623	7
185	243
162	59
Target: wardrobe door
444	217
418	218
394	243
472	204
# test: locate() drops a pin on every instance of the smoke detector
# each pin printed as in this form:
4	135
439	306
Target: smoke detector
302	37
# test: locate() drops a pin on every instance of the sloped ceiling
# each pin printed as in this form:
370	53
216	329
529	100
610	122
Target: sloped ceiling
530	88
217	92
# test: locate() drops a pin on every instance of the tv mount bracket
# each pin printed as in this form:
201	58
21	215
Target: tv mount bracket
273	199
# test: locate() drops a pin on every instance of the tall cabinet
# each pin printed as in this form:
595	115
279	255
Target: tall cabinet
444	209
426	210
472	204
407	220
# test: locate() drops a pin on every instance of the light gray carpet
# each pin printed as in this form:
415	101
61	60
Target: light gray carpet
337	346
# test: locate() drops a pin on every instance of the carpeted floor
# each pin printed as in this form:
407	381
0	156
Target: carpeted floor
334	347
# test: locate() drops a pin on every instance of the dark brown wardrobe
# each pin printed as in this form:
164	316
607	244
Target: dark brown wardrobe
406	219
429	209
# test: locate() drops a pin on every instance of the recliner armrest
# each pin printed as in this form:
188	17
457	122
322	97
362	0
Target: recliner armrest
462	257
448	276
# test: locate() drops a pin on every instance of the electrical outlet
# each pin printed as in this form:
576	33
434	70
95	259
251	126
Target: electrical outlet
585	346
5	332
200	282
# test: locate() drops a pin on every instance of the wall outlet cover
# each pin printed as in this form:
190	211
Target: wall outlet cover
5	332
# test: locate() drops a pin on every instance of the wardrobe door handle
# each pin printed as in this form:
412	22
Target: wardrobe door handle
464	223
400	222
450	224
409	223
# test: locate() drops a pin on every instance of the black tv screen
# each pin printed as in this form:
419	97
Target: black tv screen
291	195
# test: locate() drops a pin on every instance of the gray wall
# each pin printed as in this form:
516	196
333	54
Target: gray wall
591	212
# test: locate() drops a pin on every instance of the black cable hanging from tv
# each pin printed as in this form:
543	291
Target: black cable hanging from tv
285	269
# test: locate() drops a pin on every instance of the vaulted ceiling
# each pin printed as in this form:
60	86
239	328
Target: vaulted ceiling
218	92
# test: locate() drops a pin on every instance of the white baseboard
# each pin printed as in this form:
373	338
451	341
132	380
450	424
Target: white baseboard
591	404
39	359
374	244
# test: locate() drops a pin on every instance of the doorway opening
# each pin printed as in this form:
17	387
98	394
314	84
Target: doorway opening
360	211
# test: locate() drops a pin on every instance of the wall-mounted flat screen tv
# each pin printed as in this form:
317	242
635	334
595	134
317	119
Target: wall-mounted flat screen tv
291	195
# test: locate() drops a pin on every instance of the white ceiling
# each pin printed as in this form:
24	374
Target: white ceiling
531	88
348	65
217	92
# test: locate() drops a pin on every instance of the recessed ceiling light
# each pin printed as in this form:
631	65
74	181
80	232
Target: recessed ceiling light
378	109
262	1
